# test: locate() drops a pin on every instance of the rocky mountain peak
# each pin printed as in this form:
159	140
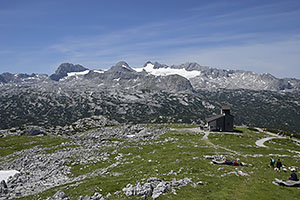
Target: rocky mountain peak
121	75
191	66
121	66
6	77
69	67
158	65
21	77
268	76
66	68
148	62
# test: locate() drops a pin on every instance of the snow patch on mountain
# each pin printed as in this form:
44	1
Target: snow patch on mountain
126	67
78	73
168	71
98	71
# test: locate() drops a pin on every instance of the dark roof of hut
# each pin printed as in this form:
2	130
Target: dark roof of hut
225	107
214	117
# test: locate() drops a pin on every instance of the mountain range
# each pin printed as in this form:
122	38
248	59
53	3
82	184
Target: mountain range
191	76
152	93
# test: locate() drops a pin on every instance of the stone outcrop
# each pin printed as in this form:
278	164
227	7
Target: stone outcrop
154	187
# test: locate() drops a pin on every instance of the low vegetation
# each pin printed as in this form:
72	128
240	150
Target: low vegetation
178	154
284	133
13	144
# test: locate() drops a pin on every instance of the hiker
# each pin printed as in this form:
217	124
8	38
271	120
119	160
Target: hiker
236	161
278	164
228	162
272	162
232	162
293	176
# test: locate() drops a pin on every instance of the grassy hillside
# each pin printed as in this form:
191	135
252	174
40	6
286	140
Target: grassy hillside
179	153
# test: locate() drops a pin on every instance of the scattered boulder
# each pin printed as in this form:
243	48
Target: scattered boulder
237	173
242	173
3	187
215	157
162	188
33	131
96	196
155	187
288	183
59	195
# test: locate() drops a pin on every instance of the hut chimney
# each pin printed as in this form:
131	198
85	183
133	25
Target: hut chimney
225	110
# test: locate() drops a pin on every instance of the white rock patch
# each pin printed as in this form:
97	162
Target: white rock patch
5	174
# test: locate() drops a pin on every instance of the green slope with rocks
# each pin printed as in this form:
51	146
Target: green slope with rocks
163	161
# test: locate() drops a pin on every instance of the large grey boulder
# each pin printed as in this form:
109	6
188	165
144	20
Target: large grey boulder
3	187
161	188
59	195
154	187
33	131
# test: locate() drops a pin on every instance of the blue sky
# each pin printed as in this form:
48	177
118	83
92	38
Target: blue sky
256	35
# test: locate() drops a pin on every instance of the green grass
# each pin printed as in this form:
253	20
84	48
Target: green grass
285	133
81	169
182	149
182	125
283	144
13	144
252	129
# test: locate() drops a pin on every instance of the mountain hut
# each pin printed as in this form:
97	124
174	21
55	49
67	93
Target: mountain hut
221	122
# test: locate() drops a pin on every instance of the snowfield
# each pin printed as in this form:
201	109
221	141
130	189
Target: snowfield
78	73
168	71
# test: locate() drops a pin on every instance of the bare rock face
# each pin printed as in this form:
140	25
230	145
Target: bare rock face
20	78
33	131
209	78
132	95
64	69
121	66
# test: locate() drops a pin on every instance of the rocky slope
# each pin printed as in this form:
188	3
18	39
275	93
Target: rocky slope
152	93
188	76
48	165
207	78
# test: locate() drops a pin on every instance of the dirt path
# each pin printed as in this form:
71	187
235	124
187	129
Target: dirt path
205	138
206	134
261	142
